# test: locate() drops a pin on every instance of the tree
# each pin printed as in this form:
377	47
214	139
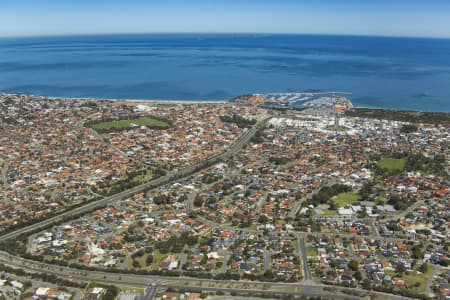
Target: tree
418	252
138	253
358	275
136	264
333	205
409	128
149	260
198	201
400	268
263	219
366	190
111	293
353	265
204	260
269	275
424	267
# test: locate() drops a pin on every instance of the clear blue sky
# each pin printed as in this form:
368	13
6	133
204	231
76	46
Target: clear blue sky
426	18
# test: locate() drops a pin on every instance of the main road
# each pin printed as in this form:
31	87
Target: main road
190	283
307	276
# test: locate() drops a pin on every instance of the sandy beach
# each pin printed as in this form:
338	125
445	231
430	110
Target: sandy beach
166	101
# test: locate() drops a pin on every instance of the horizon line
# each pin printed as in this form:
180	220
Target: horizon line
56	35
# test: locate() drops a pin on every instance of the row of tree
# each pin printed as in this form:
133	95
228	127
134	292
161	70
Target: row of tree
436	118
41	277
240	121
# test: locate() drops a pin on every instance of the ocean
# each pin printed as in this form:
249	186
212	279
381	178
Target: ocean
402	73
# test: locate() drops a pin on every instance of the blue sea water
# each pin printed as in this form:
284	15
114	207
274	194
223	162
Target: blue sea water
405	73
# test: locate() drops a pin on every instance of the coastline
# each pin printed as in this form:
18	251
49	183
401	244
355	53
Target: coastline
167	101
177	101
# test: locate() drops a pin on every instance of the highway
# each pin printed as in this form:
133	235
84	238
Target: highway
308	289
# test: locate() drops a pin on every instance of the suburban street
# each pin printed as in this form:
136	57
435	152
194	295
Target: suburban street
307	276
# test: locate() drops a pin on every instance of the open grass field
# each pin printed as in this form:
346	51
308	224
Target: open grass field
417	282
343	199
162	105
380	200
157	258
392	164
311	251
125	124
414	281
335	128
141	260
329	212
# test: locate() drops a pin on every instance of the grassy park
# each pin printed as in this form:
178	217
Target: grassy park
392	164
126	124
142	260
328	212
414	280
418	281
343	199
162	105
